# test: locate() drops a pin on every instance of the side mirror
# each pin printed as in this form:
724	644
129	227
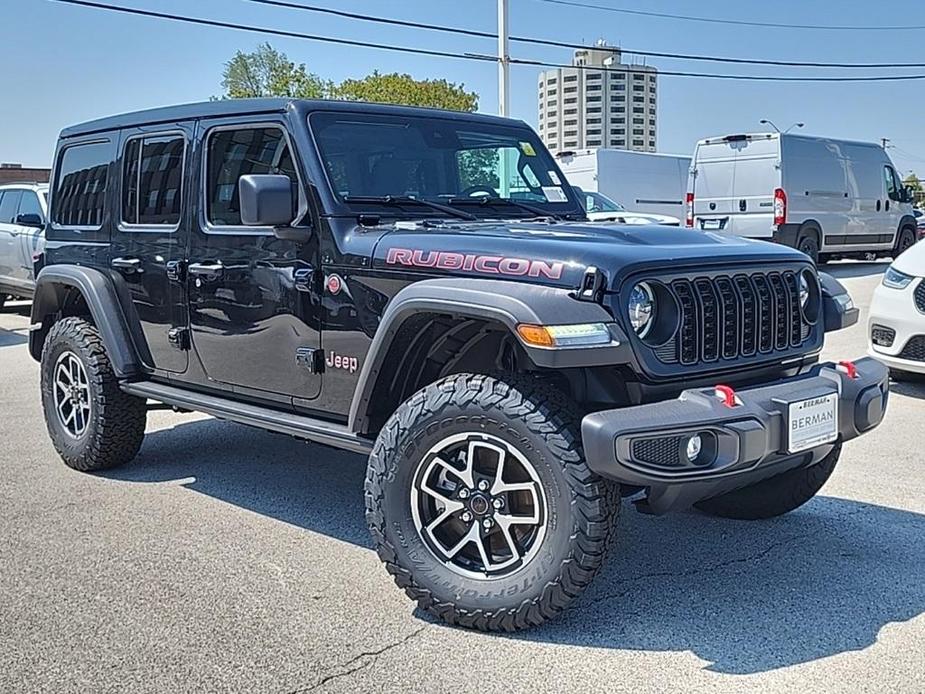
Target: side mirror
266	200
909	194
30	219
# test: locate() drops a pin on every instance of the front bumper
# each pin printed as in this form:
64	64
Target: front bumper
895	310
645	446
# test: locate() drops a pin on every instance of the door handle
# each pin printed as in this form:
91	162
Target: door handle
878	205
887	206
208	271
127	265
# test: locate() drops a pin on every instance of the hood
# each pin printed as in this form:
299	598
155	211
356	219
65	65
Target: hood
628	217
912	262
558	254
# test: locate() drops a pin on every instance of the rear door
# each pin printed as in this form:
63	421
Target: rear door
149	241
714	185
9	237
254	304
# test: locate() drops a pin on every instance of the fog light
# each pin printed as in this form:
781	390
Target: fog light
694	446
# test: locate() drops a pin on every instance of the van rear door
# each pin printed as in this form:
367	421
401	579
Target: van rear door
734	182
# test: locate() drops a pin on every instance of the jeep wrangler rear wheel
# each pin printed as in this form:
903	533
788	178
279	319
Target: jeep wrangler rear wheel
481	505
92	423
774	496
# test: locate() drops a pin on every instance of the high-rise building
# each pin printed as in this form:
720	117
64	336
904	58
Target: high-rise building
599	102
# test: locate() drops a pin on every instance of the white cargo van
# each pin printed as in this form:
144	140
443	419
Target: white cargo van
643	182
828	198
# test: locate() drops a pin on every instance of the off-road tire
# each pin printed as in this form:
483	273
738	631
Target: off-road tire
774	496
117	421
904	241
583	508
810	246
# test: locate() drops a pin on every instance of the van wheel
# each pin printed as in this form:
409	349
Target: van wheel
810	246
481	505
3	298
93	424
905	242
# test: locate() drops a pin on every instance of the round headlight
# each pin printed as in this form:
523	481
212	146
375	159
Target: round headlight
641	308
804	290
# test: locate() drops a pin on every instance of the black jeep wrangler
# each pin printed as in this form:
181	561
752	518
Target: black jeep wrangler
423	287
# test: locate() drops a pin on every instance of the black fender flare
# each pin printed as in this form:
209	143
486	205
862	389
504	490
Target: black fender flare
907	220
505	302
101	296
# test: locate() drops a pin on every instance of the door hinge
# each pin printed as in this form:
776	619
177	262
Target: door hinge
176	270
179	338
311	359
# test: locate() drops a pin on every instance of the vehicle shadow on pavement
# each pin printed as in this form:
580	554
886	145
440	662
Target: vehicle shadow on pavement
11	338
913	388
746	597
849	269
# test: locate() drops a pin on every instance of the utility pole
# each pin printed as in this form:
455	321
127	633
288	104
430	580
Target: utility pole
504	61
885	142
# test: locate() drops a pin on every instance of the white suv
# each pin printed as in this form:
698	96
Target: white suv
23	211
896	328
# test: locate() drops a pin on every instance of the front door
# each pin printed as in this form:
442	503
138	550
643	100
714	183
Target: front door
892	205
149	241
253	302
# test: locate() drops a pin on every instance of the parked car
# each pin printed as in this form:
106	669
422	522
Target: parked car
510	369
828	198
600	208
647	182
919	221
23	208
896	327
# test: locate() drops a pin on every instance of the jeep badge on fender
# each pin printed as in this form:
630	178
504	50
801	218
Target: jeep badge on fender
422	287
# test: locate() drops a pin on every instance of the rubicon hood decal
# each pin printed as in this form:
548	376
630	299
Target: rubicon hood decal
486	264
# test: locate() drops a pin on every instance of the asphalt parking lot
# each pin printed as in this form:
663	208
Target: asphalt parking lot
228	559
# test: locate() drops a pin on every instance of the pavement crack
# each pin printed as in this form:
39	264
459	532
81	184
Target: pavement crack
359	662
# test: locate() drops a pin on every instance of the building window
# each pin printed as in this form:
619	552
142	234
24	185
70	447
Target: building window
551	80
639	131
593	121
593	76
618	143
620	87
618	75
651	78
594	143
570	78
618	109
618	131
638	109
652	144
595	131
573	143
152	178
639	143
593	99
593	87
236	153
570	121
594	109
639	88
551	102
639	99
617	97
570	100
80	196
570	112
570	133
637	76
570	90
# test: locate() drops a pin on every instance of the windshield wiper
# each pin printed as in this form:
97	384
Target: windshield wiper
409	200
491	200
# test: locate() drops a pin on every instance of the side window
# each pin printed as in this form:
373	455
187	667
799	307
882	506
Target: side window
80	196
9	204
235	153
892	188
29	204
152	180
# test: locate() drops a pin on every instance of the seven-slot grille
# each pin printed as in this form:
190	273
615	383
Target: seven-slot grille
731	316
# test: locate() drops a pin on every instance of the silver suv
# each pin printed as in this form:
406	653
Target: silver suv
23	210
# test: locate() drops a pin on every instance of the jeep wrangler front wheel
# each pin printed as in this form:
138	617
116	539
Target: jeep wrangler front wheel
481	504
774	496
92	423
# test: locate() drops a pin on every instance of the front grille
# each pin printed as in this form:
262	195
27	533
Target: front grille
726	317
920	296
914	349
882	336
661	452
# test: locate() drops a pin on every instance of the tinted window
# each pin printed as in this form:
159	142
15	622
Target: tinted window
9	203
80	197
29	204
152	178
236	153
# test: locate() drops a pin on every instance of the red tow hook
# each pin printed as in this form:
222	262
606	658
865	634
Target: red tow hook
848	368
727	395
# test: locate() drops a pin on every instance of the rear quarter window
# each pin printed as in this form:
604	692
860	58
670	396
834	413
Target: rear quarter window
81	183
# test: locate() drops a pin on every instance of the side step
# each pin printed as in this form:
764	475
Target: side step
336	435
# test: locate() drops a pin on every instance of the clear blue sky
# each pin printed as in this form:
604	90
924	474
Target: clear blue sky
66	64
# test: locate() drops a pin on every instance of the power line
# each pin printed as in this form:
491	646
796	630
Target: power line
459	56
734	22
565	44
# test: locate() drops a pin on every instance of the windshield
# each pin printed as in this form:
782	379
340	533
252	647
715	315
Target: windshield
455	162
595	202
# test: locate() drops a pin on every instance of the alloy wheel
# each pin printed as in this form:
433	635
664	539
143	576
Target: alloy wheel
72	394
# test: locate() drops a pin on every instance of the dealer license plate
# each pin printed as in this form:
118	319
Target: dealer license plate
812	422
712	224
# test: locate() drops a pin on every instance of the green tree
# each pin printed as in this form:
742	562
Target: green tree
395	88
918	190
268	72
